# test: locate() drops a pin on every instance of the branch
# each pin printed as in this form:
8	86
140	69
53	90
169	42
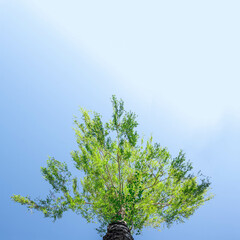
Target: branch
119	173
164	204
156	177
118	160
103	155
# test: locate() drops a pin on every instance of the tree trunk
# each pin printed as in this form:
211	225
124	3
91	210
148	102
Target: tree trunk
118	231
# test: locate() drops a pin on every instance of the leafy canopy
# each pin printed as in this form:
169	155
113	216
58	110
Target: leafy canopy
125	178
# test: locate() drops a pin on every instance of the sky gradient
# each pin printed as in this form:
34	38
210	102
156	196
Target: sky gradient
174	63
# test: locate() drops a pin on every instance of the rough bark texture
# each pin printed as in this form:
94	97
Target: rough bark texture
118	231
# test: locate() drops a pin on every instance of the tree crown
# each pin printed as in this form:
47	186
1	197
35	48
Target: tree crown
125	178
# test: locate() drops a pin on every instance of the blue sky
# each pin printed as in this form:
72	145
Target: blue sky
174	63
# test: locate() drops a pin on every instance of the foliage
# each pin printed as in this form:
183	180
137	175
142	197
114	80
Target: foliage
125	178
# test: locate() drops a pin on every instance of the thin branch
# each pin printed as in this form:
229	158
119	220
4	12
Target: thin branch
118	161
164	204
119	173
155	182
108	172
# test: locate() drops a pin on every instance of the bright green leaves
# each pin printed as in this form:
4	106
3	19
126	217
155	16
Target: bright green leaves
56	174
60	198
24	201
51	207
127	127
98	130
124	123
179	167
118	110
124	179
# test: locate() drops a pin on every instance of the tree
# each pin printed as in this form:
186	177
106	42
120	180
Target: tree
126	180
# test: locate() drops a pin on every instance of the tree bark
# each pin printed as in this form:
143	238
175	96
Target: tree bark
118	231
